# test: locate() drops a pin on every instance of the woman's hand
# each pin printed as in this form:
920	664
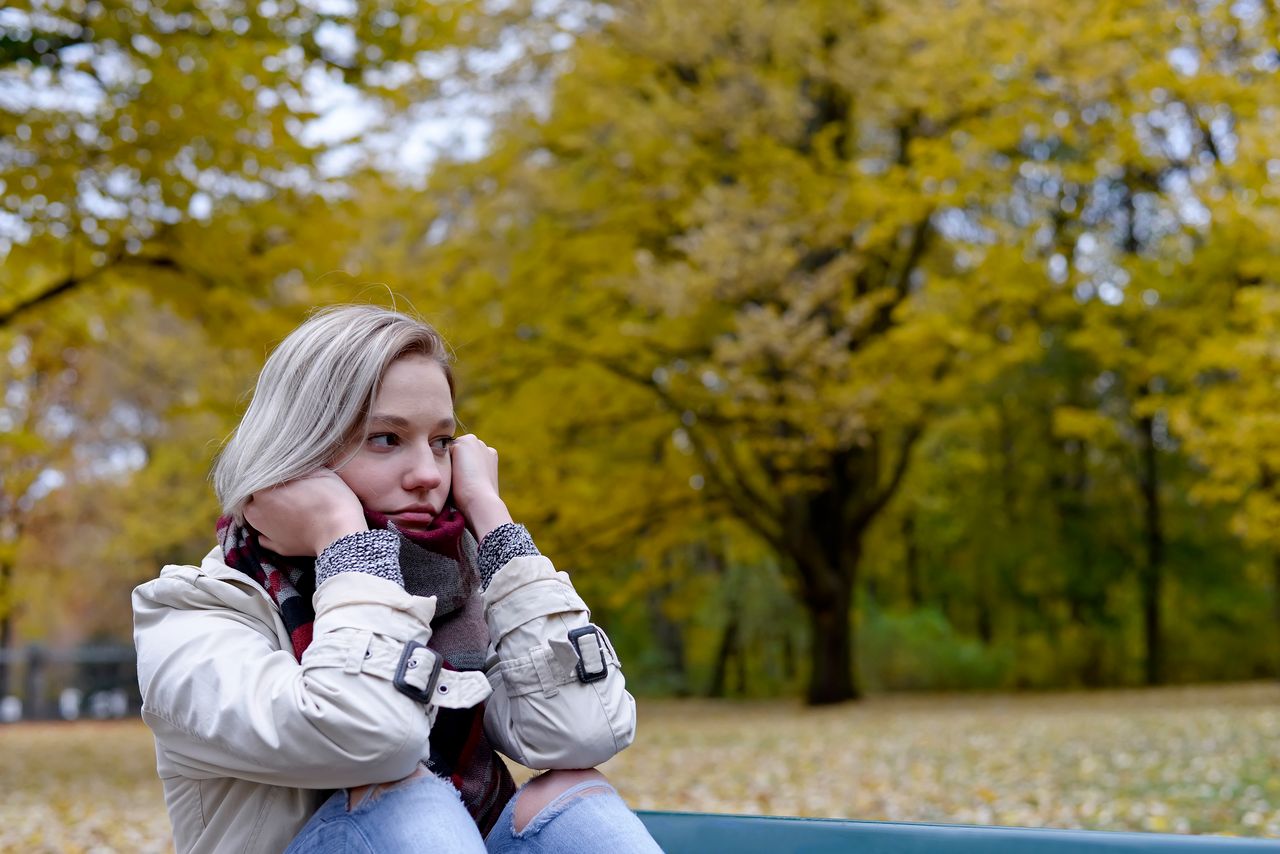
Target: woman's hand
475	485
303	516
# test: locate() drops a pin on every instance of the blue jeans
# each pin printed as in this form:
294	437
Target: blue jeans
425	814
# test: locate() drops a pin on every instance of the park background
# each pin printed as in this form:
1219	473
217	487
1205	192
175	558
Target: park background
838	349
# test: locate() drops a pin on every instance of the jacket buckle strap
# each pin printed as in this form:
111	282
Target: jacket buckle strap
418	672
588	643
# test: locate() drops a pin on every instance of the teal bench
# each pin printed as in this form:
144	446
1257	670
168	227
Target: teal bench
701	833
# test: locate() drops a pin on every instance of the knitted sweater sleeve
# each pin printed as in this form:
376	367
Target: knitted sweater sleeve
501	545
378	553
374	552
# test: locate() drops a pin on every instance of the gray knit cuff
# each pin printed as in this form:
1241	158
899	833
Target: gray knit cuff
374	552
501	545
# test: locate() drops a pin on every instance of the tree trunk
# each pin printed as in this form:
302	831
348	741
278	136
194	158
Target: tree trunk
1275	593
911	560
728	648
821	547
983	618
1154	565
6	632
826	554
669	638
834	678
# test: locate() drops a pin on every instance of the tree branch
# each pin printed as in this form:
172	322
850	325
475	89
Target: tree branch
748	503
627	527
882	497
72	281
50	292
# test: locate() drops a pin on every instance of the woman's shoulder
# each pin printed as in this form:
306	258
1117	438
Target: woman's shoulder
210	584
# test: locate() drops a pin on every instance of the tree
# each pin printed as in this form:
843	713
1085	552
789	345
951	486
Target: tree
726	246
123	119
759	281
1229	415
32	441
803	232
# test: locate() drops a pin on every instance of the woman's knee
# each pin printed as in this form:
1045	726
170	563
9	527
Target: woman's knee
359	795
543	790
420	812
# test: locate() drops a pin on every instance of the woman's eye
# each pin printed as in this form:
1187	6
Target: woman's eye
383	440
441	444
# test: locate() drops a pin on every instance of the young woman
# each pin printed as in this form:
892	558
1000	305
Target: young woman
339	672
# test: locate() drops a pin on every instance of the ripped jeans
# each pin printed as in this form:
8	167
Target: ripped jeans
425	814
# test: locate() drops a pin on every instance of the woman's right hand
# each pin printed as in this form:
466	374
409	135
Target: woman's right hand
303	516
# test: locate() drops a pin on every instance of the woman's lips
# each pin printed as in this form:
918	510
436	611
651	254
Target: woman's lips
413	519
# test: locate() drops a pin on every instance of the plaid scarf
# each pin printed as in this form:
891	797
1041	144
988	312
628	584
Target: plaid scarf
440	562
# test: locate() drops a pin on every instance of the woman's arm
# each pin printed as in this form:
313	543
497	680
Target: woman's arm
560	700
225	701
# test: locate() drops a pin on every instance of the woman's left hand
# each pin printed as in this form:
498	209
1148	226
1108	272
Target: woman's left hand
475	485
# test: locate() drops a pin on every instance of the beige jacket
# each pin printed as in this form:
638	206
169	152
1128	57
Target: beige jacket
246	735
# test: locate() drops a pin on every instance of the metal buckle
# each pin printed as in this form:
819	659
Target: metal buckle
408	664
574	638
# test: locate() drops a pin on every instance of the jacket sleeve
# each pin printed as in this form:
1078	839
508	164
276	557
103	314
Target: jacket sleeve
541	713
224	700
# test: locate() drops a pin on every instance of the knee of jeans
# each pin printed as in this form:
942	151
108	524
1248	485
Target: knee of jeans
560	803
361	796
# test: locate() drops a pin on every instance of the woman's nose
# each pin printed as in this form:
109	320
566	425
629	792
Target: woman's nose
424	470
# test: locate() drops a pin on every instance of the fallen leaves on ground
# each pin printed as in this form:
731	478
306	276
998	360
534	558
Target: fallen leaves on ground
1186	760
1196	760
80	787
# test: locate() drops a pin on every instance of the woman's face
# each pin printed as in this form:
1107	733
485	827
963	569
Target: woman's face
401	466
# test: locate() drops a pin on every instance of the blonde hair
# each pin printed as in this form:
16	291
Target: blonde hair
315	392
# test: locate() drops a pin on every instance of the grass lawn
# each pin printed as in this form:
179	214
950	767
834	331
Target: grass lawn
1187	760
